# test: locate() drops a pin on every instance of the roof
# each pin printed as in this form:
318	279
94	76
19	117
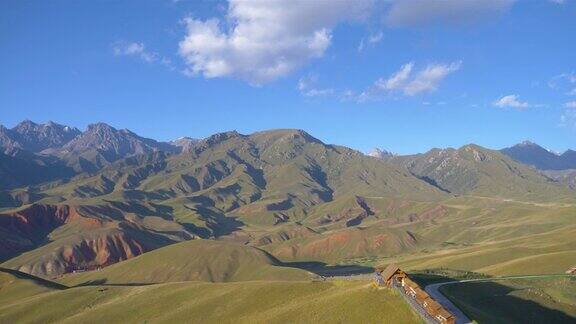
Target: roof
432	304
389	271
444	313
410	283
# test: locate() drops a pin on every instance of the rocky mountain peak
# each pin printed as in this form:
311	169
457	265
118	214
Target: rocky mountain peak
25	124
380	153
535	155
38	137
184	143
99	128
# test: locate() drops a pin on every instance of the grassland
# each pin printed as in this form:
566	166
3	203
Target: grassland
16	285
542	300
196	260
201	302
494	237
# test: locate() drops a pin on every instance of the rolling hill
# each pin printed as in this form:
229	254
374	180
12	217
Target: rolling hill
49	240
16	286
196	260
201	302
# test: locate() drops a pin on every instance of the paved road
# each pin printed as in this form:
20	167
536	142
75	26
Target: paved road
461	318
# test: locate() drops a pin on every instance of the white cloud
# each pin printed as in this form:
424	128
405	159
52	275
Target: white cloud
307	86
138	50
422	12
425	80
134	49
512	101
428	79
404	81
570	104
260	41
398	80
371	40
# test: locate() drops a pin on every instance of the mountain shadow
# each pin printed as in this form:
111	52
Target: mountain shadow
323	269
492	302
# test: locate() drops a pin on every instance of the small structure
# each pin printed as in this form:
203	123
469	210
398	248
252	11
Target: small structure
389	274
571	271
393	276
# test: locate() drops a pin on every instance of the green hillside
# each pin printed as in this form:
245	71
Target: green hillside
16	286
196	260
489	235
474	170
195	302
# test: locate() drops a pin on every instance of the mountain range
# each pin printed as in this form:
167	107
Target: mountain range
83	200
533	154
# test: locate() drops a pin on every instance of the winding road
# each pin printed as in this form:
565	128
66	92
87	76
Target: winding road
461	318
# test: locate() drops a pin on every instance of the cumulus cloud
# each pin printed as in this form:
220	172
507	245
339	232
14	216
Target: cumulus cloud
260	41
425	80
404	13
512	101
570	104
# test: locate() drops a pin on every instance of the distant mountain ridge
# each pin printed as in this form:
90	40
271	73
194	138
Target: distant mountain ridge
32	150
52	137
473	169
33	137
535	155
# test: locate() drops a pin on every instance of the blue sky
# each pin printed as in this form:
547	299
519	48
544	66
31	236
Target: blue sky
405	76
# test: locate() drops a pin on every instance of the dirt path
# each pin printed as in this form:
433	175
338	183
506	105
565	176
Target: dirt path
434	291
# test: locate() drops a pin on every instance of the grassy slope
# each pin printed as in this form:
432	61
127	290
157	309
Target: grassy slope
196	260
517	301
15	286
253	302
494	237
473	169
551	252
